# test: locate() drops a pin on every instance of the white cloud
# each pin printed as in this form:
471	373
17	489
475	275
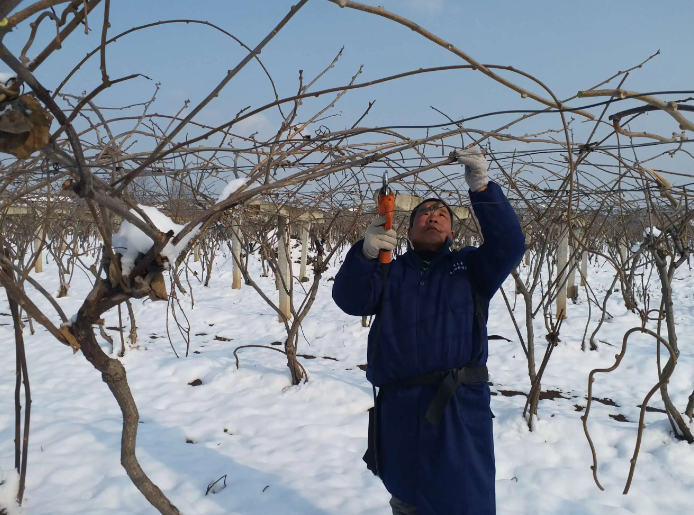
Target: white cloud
257	123
427	6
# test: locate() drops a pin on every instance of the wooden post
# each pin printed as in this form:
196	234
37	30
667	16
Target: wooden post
304	252
38	267
196	252
527	249
283	267
562	258
236	252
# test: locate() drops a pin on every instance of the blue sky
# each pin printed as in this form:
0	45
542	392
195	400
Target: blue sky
568	45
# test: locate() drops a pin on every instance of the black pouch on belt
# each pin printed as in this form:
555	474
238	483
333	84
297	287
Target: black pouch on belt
371	454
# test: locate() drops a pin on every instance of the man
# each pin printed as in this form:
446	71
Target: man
427	350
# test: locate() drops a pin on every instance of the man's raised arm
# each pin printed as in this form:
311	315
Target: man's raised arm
504	242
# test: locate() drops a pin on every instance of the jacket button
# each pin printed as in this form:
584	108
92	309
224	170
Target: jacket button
422	283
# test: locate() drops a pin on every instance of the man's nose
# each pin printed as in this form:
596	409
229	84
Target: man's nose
432	219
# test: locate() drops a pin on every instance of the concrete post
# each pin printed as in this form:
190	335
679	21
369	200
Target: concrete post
562	258
571	288
623	252
304	253
38	267
329	240
283	267
527	249
584	267
236	252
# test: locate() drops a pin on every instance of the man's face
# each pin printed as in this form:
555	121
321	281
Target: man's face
431	227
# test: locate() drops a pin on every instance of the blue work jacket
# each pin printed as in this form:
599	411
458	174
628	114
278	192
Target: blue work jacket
424	323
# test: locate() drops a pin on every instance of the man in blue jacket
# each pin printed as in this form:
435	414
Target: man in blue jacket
431	438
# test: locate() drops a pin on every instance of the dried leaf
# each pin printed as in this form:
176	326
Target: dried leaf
104	335
158	286
662	182
65	331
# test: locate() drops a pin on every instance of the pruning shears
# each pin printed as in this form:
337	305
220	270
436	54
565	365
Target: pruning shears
386	207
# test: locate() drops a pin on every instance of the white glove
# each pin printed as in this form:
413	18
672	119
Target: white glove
377	238
476	167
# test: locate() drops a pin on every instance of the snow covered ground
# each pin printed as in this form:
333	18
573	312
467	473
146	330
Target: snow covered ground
297	450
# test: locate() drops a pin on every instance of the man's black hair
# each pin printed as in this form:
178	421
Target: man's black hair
414	211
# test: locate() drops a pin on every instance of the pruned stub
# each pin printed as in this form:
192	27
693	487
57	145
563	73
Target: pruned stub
24	126
149	283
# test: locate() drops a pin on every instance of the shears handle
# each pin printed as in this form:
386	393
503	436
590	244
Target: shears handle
386	207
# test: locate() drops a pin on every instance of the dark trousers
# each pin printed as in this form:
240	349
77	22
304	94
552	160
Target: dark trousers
401	508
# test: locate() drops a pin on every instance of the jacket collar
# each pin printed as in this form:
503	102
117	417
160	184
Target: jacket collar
416	262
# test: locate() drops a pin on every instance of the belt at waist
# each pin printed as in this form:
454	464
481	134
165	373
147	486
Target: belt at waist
446	381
